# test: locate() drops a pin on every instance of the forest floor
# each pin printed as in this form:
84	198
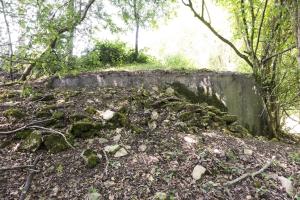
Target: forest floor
149	144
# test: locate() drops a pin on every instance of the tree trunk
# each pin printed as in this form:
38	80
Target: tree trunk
136	50
9	40
137	27
70	38
297	22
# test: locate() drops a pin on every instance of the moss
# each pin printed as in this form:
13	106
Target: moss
13	113
83	129
8	94
137	129
42	113
32	142
58	115
91	158
185	116
78	117
120	119
90	110
229	119
55	143
23	134
238	130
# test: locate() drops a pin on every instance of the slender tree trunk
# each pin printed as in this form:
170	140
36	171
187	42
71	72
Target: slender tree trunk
9	40
136	50
137	27
297	22
70	40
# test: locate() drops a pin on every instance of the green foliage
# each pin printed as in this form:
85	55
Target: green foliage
178	61
111	53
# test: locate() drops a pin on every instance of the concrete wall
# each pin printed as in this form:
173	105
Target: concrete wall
238	92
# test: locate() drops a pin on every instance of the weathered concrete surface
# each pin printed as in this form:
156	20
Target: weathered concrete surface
238	92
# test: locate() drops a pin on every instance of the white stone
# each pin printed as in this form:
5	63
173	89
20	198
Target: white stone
111	148
142	148
120	153
117	138
198	172
160	196
108	114
102	140
154	115
152	125
170	91
189	139
287	185
94	196
248	152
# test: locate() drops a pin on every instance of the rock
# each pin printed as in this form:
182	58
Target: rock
82	129
117	138
91	158
112	148
190	139
198	171
54	191
102	140
108	114
94	196
248	152
142	148
154	115
229	119
55	143
170	91
160	196
287	185
108	184
32	142
152	125
120	153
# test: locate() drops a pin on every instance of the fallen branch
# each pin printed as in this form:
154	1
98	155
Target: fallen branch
107	162
33	126
267	165
24	127
16	167
29	179
53	131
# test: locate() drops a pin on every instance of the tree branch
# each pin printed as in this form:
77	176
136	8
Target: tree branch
279	53
260	26
267	165
208	25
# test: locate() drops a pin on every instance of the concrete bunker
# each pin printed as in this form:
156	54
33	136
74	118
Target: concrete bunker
237	93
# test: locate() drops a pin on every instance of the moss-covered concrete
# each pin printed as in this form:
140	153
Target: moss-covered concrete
55	143
32	142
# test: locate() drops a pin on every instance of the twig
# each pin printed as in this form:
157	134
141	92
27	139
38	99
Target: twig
53	131
16	167
107	162
29	179
268	164
24	127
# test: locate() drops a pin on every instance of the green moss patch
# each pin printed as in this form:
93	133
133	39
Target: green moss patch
91	158
90	110
83	129
58	115
55	143
32	142
13	113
